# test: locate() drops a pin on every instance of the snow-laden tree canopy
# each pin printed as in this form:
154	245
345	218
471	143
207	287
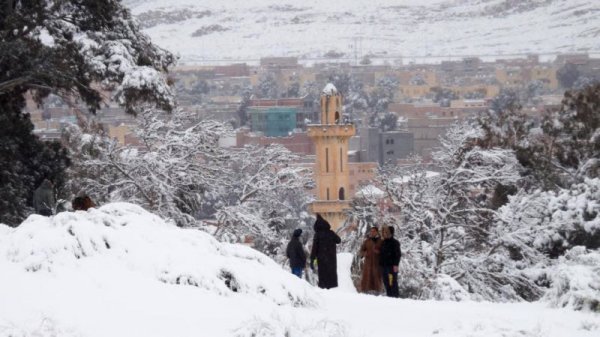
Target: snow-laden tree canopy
80	49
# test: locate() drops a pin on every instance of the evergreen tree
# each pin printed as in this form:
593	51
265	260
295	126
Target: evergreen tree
575	129
567	75
75	50
267	86
26	162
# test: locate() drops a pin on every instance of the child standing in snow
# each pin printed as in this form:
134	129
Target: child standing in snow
295	252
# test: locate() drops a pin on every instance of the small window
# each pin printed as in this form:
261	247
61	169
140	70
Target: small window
341	195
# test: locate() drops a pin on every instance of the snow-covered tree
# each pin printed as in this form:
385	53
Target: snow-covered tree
26	162
169	174
567	75
442	95
267	86
383	94
77	50
80	48
446	222
575	131
262	197
388	122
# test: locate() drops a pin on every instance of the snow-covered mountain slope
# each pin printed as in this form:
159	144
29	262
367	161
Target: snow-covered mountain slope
120	271
249	29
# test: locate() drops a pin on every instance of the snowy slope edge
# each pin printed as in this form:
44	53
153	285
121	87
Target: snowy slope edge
130	239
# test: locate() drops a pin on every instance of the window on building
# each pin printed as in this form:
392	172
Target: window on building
341	195
327	193
337	117
326	159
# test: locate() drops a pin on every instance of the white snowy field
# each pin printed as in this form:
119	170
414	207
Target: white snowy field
121	271
230	30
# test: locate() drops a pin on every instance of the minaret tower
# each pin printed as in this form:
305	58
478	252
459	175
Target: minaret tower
331	165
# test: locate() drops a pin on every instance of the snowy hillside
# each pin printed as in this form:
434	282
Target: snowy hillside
213	31
120	271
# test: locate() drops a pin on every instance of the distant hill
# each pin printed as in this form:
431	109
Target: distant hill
247	30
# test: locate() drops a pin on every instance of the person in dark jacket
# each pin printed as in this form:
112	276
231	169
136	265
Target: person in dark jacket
295	252
389	260
324	252
43	198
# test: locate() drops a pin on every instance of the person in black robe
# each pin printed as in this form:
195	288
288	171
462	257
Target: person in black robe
324	252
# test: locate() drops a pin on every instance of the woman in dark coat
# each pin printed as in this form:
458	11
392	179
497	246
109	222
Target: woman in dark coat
324	251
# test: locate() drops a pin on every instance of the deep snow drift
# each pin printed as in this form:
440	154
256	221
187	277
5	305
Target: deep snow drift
121	271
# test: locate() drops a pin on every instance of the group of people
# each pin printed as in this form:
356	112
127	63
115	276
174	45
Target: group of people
381	261
44	202
322	255
380	264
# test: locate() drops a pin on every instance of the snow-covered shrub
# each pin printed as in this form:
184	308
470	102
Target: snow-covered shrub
552	221
573	218
445	288
134	242
575	280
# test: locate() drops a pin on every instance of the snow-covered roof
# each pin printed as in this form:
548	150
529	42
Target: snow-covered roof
330	90
370	191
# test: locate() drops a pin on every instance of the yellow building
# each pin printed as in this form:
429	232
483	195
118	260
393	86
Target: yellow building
413	91
545	74
119	132
331	139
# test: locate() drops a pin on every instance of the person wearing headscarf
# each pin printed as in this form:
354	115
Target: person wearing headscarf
324	253
370	250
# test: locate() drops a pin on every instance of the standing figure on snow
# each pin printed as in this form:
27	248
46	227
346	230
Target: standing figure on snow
43	198
295	252
324	252
371	273
390	259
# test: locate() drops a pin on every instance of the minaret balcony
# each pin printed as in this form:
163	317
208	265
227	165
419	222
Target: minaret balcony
331	130
330	206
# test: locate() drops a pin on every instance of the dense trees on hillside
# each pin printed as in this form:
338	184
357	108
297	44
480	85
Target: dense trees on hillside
180	172
510	212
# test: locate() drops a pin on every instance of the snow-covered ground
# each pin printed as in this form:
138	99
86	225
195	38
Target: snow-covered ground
120	271
428	30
